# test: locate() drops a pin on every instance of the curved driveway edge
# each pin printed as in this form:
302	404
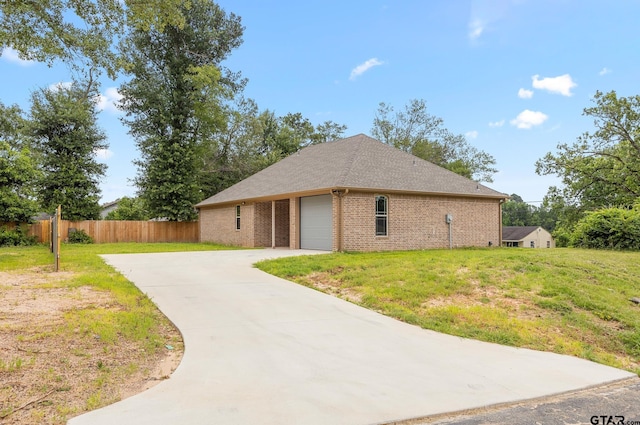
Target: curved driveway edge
262	350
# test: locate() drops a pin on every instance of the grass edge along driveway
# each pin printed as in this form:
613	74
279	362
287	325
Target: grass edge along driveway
567	301
79	339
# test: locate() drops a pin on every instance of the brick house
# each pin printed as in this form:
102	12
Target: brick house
353	194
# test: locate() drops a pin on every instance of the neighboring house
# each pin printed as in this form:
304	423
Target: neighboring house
108	207
527	237
354	194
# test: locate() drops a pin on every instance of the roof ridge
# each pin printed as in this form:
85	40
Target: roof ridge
350	161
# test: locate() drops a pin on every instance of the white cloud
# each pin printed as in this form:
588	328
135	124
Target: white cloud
364	67
527	119
471	134
476	28
109	100
103	154
12	55
63	85
525	94
496	123
559	85
605	71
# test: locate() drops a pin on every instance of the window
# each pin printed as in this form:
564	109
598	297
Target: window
381	215
533	244
237	217
548	244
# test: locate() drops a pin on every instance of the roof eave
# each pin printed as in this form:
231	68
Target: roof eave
329	190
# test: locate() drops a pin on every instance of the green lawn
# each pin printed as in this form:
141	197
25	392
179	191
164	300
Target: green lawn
566	301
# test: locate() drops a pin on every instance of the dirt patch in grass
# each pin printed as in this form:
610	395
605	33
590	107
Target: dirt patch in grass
325	283
487	295
50	371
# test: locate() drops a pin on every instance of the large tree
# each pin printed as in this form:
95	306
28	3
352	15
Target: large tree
65	133
18	171
601	168
250	140
79	32
416	131
174	102
516	212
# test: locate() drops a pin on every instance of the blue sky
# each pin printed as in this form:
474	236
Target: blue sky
512	75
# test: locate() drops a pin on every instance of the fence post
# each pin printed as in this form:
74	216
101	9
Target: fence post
55	236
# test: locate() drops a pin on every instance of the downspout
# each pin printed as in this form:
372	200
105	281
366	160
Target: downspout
337	193
502	201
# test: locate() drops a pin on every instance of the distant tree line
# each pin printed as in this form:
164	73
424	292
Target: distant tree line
516	212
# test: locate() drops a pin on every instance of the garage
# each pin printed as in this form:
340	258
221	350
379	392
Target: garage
316	222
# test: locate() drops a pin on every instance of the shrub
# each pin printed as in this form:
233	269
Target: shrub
79	236
15	237
562	236
610	228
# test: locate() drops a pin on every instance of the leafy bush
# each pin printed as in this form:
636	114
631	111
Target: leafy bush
562	237
129	209
610	228
15	237
79	236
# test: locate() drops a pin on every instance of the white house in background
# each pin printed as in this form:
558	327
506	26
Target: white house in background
108	207
527	237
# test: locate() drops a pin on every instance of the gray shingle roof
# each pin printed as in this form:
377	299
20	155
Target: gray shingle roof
357	162
516	233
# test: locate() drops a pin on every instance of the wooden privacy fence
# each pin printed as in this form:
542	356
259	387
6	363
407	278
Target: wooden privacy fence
108	231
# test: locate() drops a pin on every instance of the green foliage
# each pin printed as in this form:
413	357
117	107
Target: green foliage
561	300
562	237
416	131
174	102
15	237
129	209
18	171
516	212
65	133
610	228
601	168
79	237
80	32
17	176
42	30
251	140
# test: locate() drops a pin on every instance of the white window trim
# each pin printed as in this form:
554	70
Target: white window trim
237	217
385	215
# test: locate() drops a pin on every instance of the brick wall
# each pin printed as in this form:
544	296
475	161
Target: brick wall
282	223
262	224
414	222
262	233
418	222
219	225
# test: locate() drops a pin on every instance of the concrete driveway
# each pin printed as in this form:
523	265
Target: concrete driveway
262	350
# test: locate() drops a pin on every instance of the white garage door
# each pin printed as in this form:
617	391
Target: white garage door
315	222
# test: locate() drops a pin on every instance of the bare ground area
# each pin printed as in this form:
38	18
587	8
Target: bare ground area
51	371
